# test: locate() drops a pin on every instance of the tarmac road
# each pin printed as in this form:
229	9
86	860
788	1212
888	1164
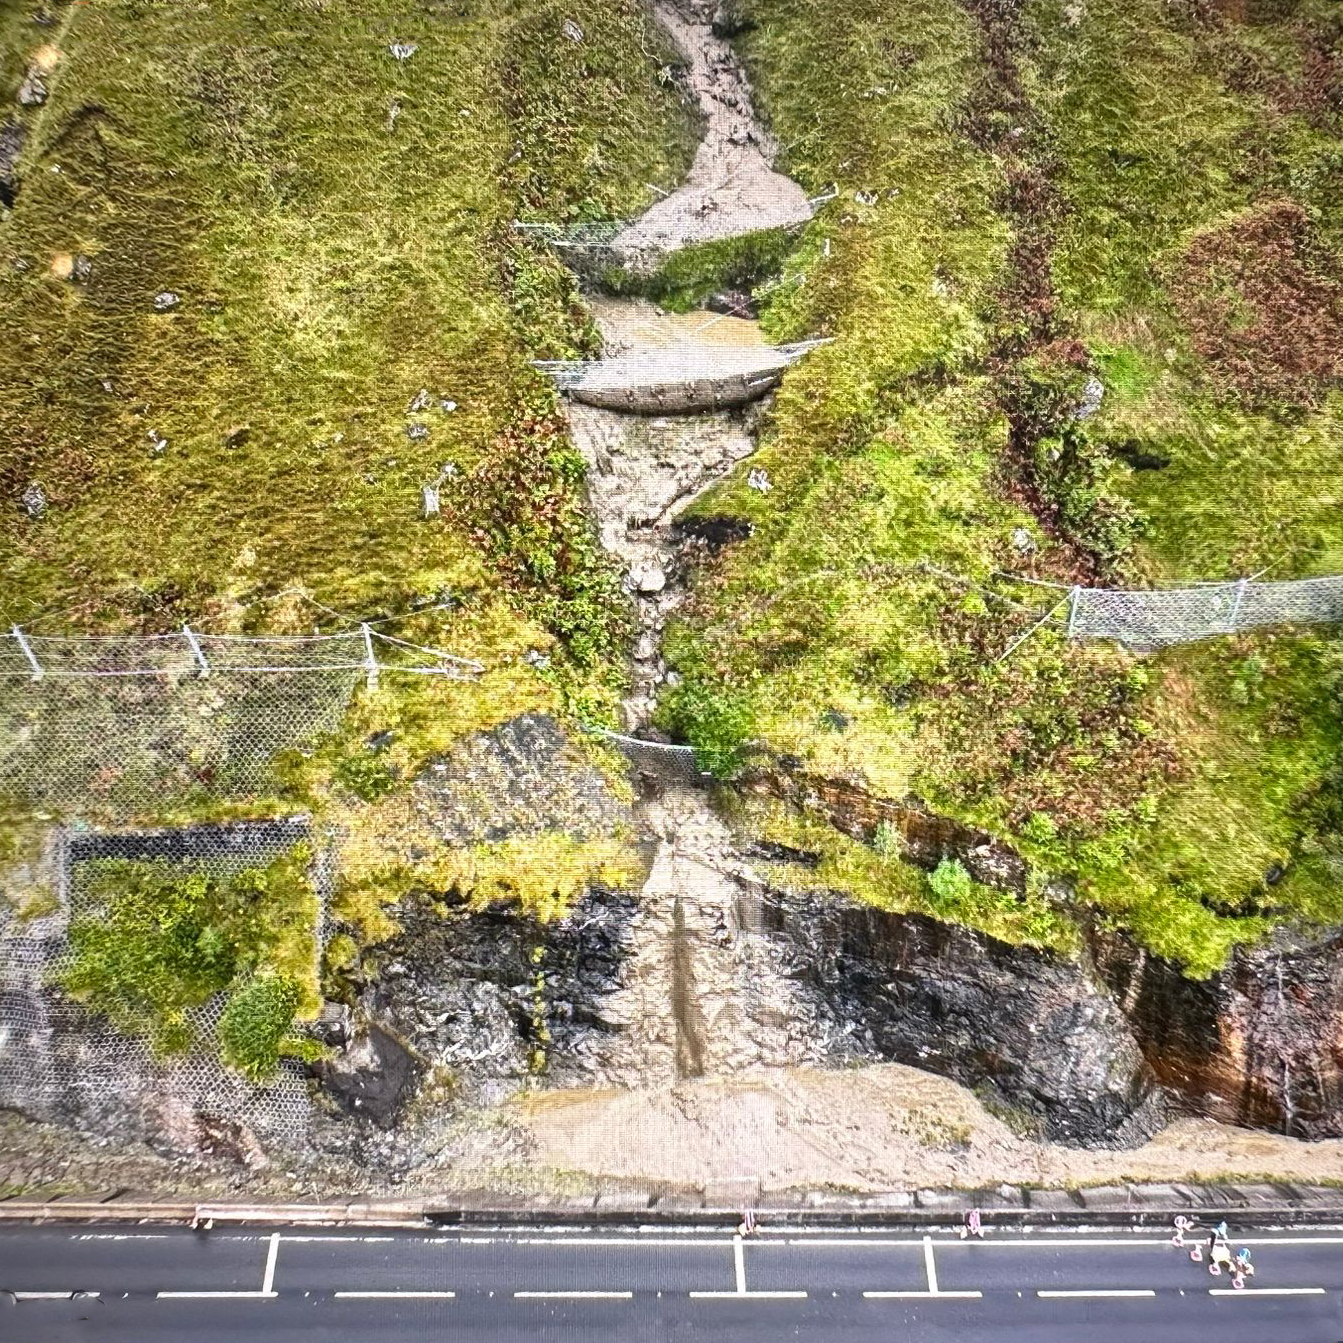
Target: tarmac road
164	1283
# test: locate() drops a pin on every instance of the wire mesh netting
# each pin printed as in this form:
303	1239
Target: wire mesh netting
96	731
60	1060
674	365
1182	615
672	764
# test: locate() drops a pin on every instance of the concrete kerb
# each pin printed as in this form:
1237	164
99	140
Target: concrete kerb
1139	1207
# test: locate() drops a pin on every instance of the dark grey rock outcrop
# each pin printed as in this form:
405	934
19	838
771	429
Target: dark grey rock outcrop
522	777
12	138
1033	1030
492	996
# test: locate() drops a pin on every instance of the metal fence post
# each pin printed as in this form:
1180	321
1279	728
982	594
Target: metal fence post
370	657
196	650
1241	585
1072	609
26	648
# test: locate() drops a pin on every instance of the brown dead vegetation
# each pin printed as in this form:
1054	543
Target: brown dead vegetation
1263	305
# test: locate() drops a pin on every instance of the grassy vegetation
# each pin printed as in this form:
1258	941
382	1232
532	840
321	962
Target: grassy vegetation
353	320
152	941
690	276
333	258
877	874
1139	191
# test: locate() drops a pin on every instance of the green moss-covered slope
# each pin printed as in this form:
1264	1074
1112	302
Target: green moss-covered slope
259	286
1034	195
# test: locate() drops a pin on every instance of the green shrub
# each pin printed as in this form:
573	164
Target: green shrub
160	940
952	886
715	720
254	1030
366	776
886	840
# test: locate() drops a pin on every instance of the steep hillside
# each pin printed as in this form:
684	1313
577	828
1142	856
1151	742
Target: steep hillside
1084	279
259	288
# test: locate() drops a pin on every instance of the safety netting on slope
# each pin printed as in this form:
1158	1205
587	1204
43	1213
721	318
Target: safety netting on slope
1157	617
96	731
61	1061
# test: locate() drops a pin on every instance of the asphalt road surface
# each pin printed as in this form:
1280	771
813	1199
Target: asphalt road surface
145	1284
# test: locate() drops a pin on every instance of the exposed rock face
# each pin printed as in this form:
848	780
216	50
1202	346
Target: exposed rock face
1033	1028
925	838
708	972
12	137
372	1076
487	995
1259	1043
522	777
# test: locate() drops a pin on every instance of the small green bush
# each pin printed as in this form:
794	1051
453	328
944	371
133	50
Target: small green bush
366	776
715	720
254	1030
952	886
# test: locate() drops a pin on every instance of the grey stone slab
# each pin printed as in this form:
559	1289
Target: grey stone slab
784	1200
894	1199
824	1198
1316	1196
1002	1196
1053	1200
679	1202
950	1200
625	1200
1175	1197
1107	1197
1267	1196
739	1192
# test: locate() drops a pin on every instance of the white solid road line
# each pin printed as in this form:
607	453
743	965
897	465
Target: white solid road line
378	1296
739	1262
1266	1291
268	1282
930	1265
923	1296
1100	1291
577	1296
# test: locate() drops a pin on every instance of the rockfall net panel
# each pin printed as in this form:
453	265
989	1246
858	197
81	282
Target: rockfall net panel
1182	615
101	730
689	377
61	1061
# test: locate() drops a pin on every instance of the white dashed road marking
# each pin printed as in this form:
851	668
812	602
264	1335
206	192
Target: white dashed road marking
447	1296
577	1296
923	1296
1266	1291
1107	1291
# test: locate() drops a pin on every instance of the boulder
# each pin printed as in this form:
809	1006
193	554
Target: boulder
729	21
372	1076
12	138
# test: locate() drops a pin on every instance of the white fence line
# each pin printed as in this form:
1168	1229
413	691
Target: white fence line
34	657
